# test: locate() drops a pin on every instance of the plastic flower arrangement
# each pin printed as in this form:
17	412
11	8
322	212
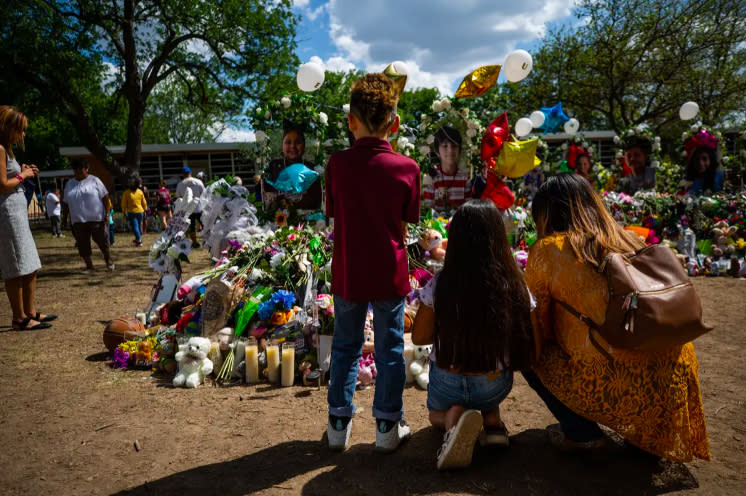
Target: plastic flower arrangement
643	137
447	113
324	314
299	109
278	309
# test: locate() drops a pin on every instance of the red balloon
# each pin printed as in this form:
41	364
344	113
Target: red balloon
498	192
496	134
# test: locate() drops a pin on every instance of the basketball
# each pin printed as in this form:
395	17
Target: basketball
120	330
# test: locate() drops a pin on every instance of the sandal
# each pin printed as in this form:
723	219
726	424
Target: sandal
558	439
23	325
46	318
459	441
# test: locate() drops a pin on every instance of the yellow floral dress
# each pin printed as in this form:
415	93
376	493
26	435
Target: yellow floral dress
652	400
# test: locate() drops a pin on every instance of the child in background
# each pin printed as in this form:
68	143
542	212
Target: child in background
110	207
480	326
372	193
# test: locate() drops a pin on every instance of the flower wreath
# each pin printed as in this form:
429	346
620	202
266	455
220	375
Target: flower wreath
641	136
298	109
699	135
444	113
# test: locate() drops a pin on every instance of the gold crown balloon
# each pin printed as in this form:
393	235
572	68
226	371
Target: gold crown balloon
396	71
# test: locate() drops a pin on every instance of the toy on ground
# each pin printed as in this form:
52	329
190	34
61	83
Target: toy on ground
420	366
722	239
366	372
193	363
122	329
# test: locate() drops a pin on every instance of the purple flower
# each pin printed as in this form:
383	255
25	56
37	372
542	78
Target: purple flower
120	358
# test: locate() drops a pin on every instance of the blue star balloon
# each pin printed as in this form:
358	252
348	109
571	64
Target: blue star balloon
554	117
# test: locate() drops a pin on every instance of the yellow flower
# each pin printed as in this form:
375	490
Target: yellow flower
281	219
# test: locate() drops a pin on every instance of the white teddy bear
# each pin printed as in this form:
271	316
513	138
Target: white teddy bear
193	363
420	366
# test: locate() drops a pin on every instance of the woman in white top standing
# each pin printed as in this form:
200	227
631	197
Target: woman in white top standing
88	201
19	260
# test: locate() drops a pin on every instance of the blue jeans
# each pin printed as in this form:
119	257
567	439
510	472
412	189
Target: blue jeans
576	427
136	221
477	392
347	344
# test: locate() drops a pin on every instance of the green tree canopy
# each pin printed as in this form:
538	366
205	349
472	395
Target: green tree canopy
219	53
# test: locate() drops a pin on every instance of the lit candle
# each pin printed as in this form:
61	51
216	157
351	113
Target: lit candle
288	363
273	362
240	353
252	361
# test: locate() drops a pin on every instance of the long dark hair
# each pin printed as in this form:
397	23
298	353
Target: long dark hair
482	312
709	175
567	204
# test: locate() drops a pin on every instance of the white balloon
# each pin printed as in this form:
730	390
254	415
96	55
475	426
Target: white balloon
572	126
688	111
310	77
523	126
517	65
537	118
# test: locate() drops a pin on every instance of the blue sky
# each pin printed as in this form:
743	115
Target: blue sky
440	40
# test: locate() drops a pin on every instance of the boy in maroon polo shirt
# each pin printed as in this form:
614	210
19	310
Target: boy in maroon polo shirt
372	193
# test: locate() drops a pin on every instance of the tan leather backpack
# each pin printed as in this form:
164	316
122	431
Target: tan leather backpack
652	303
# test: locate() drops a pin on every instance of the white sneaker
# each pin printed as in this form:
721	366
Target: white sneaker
386	442
339	439
459	441
110	267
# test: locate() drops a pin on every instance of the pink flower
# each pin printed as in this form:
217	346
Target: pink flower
291	237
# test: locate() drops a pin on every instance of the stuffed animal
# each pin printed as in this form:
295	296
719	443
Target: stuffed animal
369	343
193	363
722	239
433	244
420	366
366	372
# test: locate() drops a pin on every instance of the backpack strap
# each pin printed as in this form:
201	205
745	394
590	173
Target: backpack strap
592	326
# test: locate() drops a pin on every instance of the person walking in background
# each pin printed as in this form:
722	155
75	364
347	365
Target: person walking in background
372	193
197	188
54	209
146	213
163	205
134	207
110	217
19	260
87	199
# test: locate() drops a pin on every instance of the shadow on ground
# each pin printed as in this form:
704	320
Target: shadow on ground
530	466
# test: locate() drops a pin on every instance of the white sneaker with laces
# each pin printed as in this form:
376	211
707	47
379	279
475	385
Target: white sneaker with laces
339	439
459	441
387	442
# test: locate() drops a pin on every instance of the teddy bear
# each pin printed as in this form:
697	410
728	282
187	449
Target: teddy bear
420	366
366	372
722	239
430	245
193	363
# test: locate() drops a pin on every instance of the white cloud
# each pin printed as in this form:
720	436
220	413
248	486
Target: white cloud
334	64
109	76
304	6
440	40
230	135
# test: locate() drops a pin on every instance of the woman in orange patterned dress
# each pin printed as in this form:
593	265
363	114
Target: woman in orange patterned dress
651	399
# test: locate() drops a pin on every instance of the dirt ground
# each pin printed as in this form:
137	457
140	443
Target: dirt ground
70	423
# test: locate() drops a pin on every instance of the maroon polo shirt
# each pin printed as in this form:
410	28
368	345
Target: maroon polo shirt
370	191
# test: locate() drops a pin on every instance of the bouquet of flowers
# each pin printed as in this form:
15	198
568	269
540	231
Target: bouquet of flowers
278	310
323	314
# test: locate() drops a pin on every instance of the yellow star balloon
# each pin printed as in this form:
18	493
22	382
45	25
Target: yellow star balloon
517	158
397	77
478	81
